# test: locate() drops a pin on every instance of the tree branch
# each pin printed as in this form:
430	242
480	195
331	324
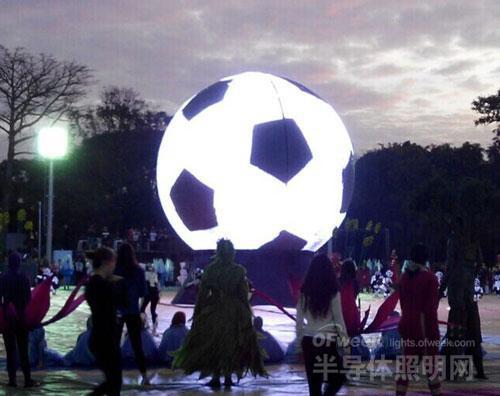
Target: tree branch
24	153
24	139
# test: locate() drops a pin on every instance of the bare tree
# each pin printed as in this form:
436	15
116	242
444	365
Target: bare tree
32	88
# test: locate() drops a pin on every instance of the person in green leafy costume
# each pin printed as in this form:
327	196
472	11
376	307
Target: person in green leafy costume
222	340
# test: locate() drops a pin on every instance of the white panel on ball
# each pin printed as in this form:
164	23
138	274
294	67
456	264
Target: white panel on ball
208	150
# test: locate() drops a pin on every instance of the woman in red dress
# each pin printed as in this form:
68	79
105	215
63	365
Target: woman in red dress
419	326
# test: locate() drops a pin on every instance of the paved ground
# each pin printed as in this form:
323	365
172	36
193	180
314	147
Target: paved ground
284	379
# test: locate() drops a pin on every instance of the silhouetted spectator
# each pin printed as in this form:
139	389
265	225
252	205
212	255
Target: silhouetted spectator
274	353
173	337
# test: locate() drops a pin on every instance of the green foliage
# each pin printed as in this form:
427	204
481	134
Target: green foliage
368	241
419	192
489	108
356	242
21	215
222	323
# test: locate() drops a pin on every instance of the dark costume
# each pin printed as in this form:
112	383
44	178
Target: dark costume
135	284
463	319
222	340
103	298
152	294
79	271
419	326
15	291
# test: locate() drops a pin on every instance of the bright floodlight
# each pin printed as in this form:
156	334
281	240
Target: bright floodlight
53	142
258	159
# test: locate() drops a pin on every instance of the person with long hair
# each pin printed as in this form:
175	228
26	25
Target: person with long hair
130	314
103	296
324	331
419	328
15	291
464	255
222	340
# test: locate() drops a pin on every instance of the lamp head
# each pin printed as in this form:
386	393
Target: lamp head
53	142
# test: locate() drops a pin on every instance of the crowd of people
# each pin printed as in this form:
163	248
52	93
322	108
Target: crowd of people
372	276
225	340
66	273
144	239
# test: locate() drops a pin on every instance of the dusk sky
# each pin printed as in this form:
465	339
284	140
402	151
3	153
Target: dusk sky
394	70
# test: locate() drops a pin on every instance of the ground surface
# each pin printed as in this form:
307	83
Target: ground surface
284	379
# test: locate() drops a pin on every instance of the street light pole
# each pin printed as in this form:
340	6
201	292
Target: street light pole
39	231
52	144
50	213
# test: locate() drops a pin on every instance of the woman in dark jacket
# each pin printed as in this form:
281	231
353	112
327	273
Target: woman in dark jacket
104	293
15	291
135	282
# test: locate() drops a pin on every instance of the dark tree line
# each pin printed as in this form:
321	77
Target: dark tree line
419	194
416	192
109	178
120	110
406	191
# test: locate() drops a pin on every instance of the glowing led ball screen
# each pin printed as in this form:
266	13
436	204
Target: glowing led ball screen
259	159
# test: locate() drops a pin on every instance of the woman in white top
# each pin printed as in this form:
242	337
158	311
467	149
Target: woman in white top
321	328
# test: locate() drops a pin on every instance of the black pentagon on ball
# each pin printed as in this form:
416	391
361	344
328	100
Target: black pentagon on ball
285	241
347	184
205	98
280	149
194	202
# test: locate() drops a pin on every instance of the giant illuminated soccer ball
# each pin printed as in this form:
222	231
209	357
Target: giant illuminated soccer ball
258	159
